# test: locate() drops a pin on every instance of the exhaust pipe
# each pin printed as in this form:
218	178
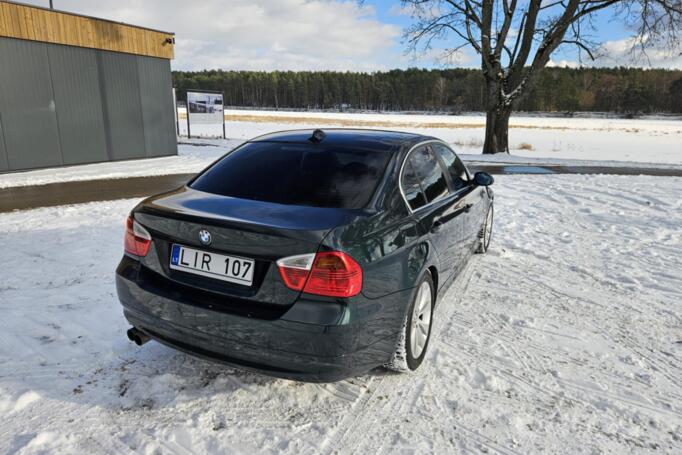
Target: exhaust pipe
137	336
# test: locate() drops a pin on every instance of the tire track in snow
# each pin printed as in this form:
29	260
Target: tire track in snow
393	409
556	384
352	416
654	361
488	442
561	383
366	414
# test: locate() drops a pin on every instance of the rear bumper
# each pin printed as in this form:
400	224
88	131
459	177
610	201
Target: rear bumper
252	357
283	348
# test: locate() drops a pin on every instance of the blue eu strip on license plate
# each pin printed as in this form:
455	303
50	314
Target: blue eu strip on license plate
175	255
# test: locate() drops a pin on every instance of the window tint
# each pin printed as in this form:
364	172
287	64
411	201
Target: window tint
458	173
430	174
412	188
297	174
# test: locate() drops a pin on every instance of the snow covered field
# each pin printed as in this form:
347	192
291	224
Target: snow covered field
640	140
565	338
599	142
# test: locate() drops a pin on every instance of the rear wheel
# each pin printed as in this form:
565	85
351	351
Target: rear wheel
416	331
486	232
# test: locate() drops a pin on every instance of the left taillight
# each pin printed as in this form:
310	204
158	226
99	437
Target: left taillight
330	273
137	239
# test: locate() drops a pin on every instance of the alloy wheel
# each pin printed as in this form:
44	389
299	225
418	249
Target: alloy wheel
421	320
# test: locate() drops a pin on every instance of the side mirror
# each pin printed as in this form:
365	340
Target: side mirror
483	179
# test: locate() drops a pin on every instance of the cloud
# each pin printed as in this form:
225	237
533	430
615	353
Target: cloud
626	52
563	64
261	34
442	57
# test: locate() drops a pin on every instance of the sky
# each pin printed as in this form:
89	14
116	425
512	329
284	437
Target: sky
315	35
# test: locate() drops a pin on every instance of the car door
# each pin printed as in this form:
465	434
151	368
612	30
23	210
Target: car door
470	199
425	185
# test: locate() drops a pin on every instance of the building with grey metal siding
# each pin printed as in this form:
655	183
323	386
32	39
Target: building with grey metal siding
64	105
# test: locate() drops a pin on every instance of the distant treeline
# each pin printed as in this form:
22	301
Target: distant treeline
621	90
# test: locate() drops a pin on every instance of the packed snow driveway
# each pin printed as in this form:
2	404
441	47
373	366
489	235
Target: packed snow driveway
566	337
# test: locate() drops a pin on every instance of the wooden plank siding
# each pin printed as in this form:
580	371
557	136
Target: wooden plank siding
40	24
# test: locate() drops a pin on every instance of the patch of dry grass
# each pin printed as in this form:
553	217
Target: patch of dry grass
525	146
396	122
469	143
345	122
364	123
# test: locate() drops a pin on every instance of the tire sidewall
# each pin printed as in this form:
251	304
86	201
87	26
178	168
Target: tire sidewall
492	218
412	362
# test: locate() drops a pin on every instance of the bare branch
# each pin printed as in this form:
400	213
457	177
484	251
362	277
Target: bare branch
581	46
526	40
506	25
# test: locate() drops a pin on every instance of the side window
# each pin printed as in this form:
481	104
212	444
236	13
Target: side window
411	187
458	173
430	174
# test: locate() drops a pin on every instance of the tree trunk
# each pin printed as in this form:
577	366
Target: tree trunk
497	130
497	117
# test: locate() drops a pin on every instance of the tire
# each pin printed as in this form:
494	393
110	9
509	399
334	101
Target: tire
486	232
416	331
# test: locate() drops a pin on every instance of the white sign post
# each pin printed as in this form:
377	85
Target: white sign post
175	110
203	110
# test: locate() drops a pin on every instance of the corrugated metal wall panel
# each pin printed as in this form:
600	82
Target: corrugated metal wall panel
121	101
27	105
156	96
68	105
79	104
3	153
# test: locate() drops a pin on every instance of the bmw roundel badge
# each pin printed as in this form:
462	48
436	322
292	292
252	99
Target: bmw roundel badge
205	237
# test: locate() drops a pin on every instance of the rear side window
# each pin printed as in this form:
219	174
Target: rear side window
423	180
456	168
297	174
412	188
430	174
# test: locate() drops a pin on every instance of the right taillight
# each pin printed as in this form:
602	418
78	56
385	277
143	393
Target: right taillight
331	273
137	239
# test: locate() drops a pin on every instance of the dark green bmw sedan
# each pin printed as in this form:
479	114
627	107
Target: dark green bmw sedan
309	255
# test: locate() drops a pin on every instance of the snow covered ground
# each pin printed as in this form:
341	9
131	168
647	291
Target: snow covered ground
565	338
190	159
641	140
595	142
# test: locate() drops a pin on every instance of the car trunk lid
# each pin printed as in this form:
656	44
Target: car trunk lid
261	231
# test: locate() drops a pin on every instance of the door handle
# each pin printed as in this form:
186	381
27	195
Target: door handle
436	225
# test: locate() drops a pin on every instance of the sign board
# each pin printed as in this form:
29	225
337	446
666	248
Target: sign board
205	117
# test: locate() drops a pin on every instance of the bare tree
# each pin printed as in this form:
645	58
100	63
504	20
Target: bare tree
516	38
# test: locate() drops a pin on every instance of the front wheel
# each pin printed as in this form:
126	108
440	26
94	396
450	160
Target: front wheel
486	232
416	331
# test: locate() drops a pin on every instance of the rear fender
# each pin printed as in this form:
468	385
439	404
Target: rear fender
391	252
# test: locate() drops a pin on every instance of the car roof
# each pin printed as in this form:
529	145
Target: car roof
379	140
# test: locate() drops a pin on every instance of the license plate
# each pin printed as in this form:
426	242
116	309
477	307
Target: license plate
212	265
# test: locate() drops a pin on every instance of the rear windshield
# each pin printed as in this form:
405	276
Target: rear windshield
297	174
